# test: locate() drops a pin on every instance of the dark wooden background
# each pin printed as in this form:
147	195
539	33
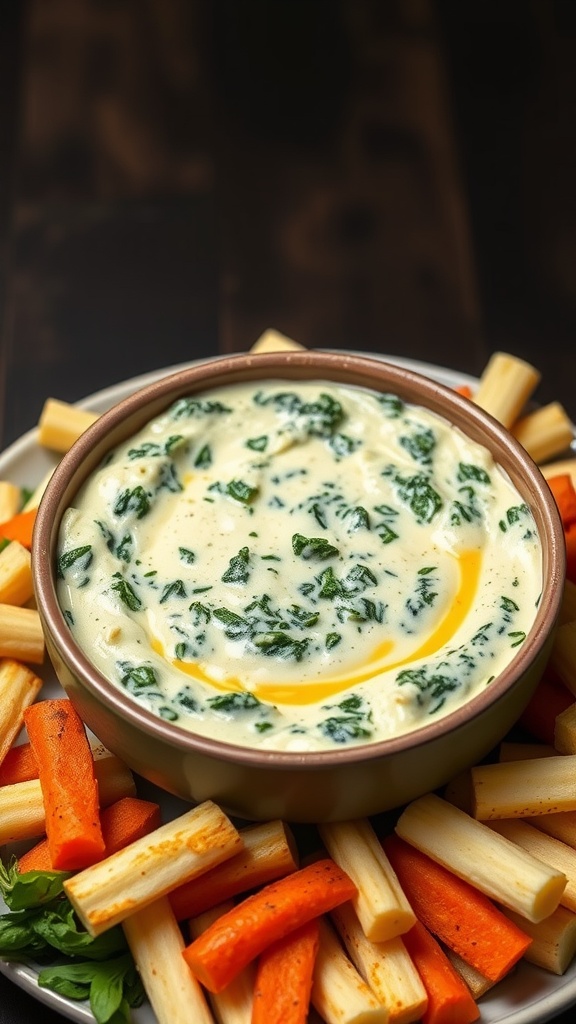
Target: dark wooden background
394	176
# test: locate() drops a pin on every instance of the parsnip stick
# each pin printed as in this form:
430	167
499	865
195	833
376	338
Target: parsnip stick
567	611
15	574
268	852
386	967
560	466
553	945
477	983
107	892
505	386
474	852
22	807
521	789
339	993
565	730
21	635
233	1004
562	826
19	687
61	424
510	750
563	655
544	433
156	944
547	849
273	341
381	906
10	498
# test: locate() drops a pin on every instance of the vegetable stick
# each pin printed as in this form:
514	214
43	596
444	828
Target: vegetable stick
513	751
521	789
564	492
273	341
380	903
61	424
107	892
22	814
567	611
565	730
156	943
284	977
19	764
562	826
465	390
549	698
21	635
547	849
457	913
505	386
122	822
471	850
476	982
563	656
339	993
15	574
239	936
19	527
544	433
10	499
559	466
233	1005
268	852
68	781
386	967
19	687
449	999
570	538
553	945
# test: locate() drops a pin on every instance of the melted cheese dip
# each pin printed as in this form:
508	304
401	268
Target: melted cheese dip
299	565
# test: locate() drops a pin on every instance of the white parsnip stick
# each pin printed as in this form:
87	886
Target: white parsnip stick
521	789
505	386
15	574
10	498
107	892
21	635
19	687
381	905
544	433
547	849
553	945
274	341
339	993
477	854
61	424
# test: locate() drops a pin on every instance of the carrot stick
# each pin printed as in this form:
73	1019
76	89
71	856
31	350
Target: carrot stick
20	527
562	487
68	783
236	938
19	765
459	915
122	822
549	699
449	998
465	390
284	977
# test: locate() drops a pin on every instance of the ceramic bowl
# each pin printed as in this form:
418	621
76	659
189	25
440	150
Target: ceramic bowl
337	784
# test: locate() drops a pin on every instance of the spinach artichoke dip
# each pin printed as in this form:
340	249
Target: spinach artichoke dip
298	566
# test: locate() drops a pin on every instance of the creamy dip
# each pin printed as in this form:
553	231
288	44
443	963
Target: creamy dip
299	565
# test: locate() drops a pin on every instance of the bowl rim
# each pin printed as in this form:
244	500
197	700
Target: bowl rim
135	410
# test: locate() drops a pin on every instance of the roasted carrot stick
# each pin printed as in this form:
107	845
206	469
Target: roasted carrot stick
466	920
68	783
19	765
284	977
549	699
19	527
236	938
564	492
122	822
449	998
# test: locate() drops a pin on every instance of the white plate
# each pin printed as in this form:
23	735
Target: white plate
528	996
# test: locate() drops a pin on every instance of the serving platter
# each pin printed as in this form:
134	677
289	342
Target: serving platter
528	996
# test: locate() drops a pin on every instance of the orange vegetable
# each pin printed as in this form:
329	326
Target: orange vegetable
68	782
449	998
570	538
122	822
284	977
240	935
549	699
19	765
459	915
564	492
19	527
465	390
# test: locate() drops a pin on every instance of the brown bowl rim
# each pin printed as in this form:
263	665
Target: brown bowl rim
410	384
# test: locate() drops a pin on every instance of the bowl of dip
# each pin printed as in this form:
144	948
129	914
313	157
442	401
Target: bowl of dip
305	585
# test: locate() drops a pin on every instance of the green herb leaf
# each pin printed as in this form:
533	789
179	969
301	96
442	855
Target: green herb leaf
238	571
313	547
126	592
80	557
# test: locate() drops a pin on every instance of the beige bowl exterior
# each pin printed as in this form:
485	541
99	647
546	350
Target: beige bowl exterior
311	787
